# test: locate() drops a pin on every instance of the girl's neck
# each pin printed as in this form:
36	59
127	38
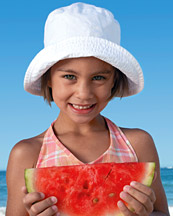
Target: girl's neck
63	125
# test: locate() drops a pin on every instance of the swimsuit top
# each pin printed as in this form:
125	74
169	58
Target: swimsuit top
54	153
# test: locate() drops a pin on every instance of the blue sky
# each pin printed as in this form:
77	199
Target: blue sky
146	31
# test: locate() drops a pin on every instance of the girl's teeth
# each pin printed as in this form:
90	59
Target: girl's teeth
81	107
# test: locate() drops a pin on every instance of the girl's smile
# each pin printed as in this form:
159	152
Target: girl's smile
82	109
81	87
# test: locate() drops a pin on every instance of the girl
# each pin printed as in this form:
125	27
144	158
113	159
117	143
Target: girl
81	68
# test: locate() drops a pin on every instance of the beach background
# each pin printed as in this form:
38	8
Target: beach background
146	31
166	175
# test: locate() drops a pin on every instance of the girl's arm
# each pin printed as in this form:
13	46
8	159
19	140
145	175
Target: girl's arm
18	161
19	202
145	149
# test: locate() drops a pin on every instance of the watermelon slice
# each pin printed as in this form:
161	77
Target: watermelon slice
88	190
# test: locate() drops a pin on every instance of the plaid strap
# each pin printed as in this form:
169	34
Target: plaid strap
54	153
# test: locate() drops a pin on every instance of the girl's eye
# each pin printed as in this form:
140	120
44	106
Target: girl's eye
69	77
99	78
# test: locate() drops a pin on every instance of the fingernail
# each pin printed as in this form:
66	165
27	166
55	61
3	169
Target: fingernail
54	199
126	188
42	195
133	183
58	214
54	208
23	188
120	204
122	195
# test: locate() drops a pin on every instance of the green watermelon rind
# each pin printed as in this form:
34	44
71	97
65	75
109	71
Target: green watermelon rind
150	168
29	182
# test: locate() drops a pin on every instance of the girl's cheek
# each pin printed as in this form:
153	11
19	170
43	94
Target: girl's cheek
105	94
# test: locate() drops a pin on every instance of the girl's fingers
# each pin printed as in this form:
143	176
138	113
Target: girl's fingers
140	197
50	211
46	207
144	189
37	205
31	198
133	203
24	190
123	208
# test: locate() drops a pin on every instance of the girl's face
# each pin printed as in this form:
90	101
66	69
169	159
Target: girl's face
81	87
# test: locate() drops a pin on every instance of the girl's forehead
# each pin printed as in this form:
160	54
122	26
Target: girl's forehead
82	62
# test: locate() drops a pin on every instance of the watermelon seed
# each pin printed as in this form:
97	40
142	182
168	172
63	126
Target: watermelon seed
111	194
95	200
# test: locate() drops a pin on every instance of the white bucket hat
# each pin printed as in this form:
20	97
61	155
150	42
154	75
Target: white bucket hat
82	30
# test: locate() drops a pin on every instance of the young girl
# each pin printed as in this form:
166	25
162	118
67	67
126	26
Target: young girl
81	68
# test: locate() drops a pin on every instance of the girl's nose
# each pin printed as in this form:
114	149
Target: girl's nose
84	91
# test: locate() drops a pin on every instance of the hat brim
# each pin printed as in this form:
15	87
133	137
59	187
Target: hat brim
75	47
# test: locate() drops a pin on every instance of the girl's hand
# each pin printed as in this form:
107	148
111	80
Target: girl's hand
139	197
35	204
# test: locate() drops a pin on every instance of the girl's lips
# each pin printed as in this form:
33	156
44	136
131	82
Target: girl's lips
82	109
80	106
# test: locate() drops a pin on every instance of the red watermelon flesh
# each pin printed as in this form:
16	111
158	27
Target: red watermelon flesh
88	190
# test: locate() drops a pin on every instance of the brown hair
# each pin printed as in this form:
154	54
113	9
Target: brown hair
46	91
120	87
121	84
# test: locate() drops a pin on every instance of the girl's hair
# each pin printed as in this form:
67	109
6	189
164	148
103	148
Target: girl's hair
120	86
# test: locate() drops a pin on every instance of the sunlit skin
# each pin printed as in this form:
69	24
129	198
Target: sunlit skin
81	89
81	83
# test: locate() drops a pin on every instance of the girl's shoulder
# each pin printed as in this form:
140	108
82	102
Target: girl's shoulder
136	134
27	150
23	155
142	142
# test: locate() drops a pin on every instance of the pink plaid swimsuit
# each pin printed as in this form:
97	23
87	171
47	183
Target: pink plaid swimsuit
54	153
